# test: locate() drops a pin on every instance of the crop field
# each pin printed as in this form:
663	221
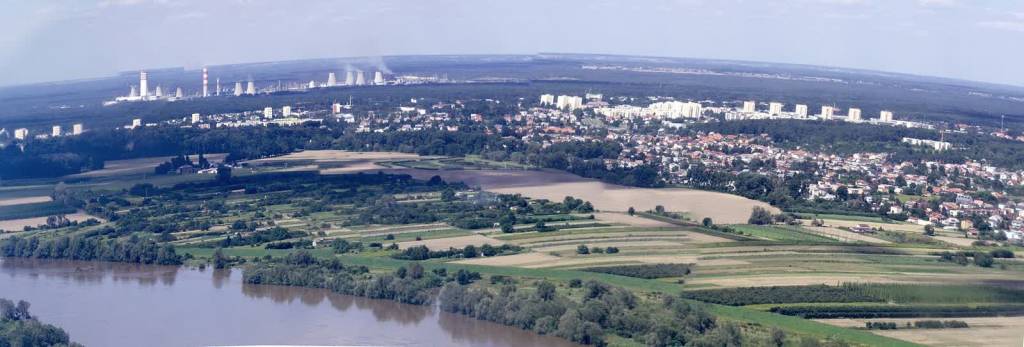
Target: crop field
780	233
34	209
554	185
981	331
312	200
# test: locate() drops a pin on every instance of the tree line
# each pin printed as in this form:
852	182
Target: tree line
131	250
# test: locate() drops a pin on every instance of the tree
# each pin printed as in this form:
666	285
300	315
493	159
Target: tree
659	209
469	252
843	193
778	337
707	222
223	173
631	211
545	291
929	230
448	195
983	259
219	260
582	249
760	216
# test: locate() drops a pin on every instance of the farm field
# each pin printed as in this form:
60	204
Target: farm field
554	185
982	331
336	204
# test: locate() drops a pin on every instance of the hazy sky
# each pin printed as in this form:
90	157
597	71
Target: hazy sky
54	40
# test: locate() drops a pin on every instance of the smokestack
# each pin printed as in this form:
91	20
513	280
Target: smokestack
218	86
349	78
238	88
378	78
331	80
206	88
143	87
360	80
251	88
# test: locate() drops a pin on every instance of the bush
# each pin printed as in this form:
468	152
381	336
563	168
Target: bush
760	216
648	271
582	249
1002	253
983	260
880	325
935	324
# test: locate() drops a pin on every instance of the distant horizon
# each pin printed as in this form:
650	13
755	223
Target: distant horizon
116	74
970	40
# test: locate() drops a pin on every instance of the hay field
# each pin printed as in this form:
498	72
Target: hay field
556	185
24	200
982	331
20	224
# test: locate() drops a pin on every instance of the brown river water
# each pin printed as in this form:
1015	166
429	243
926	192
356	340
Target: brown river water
109	304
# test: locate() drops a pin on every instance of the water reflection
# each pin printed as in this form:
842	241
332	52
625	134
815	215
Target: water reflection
220	276
93	273
382	310
92	299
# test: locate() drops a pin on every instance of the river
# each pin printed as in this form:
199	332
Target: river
110	304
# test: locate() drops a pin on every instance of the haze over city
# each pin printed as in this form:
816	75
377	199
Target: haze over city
960	39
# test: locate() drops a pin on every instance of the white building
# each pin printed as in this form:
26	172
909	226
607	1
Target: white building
885	116
206	86
547	99
21	133
349	78
360	79
749	106
569	102
827	112
268	112
286	111
775	108
853	115
936	145
674	109
136	123
336	108
196	118
143	85
801	111
56	131
76	129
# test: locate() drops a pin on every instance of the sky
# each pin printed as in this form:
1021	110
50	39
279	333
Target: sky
51	40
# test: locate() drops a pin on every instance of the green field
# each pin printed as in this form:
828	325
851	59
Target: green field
39	209
780	233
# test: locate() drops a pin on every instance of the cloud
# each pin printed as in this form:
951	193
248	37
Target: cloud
936	3
1003	25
